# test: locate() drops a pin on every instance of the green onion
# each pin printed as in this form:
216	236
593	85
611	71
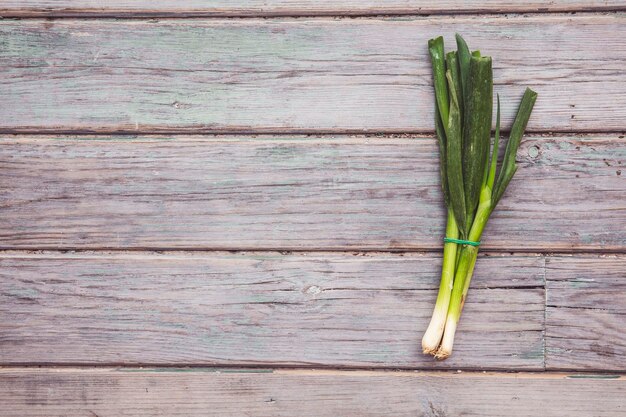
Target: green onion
468	165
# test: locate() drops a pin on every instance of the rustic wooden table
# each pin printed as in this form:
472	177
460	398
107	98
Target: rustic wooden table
232	208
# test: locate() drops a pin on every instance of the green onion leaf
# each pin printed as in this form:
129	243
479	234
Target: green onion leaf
435	48
494	153
441	139
464	62
452	64
454	159
477	131
517	131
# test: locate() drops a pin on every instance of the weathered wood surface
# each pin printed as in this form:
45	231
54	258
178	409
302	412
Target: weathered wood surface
296	193
586	313
325	309
238	392
263	308
25	8
285	75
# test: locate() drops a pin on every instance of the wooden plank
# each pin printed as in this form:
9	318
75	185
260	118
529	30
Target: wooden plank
322	309
586	313
286	75
237	392
29	8
296	193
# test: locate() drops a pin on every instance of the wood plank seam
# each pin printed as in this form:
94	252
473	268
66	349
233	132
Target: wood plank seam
545	303
277	133
294	370
380	12
295	250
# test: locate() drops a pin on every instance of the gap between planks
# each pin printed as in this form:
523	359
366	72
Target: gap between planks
316	369
370	251
364	372
262	134
177	253
380	12
223	133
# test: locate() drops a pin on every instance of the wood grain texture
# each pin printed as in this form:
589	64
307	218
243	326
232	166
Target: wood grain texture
233	392
586	313
28	8
268	309
298	75
296	193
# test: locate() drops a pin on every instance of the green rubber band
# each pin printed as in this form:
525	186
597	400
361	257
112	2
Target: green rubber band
460	241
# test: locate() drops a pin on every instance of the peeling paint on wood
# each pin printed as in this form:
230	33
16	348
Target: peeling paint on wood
106	392
586	312
286	75
261	308
296	193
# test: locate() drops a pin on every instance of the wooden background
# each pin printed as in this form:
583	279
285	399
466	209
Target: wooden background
232	208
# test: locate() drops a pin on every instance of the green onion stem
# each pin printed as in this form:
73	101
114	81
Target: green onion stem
468	253
464	272
432	337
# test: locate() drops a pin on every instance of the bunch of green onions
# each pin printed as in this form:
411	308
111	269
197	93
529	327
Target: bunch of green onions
463	82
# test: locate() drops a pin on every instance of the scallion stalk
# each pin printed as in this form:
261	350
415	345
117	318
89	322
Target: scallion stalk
434	333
